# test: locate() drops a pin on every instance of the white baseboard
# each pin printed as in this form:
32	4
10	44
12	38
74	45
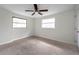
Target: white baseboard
14	40
56	40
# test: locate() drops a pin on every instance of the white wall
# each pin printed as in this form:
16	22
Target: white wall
64	30
77	25
7	33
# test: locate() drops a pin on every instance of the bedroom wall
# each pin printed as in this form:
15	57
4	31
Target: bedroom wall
64	30
7	32
77	24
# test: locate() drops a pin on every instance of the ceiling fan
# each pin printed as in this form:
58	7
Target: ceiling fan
37	10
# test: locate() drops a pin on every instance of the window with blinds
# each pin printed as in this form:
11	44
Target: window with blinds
19	23
48	23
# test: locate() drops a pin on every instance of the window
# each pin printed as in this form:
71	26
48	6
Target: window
48	23
19	23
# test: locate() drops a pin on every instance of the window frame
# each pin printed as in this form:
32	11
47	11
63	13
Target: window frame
18	22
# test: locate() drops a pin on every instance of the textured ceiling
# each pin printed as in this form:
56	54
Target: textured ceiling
52	8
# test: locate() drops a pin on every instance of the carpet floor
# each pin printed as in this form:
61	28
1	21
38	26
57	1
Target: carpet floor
38	46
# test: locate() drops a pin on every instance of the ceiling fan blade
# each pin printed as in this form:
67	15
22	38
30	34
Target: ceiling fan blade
29	10
33	13
40	13
45	10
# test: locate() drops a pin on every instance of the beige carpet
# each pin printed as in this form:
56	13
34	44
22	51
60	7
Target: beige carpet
38	46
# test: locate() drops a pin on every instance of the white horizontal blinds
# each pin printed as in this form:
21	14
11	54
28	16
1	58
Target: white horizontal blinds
48	20
19	23
48	23
17	20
